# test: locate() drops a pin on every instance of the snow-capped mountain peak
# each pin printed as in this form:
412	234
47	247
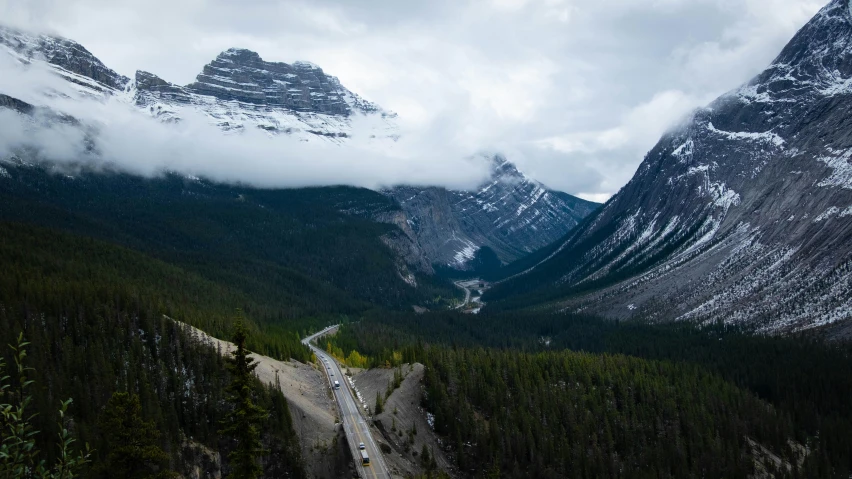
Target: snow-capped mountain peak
509	213
238	89
742	214
67	58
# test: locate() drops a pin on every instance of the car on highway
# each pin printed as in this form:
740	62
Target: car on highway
361	446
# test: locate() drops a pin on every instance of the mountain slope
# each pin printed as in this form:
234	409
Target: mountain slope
68	58
297	252
238	90
742	214
511	214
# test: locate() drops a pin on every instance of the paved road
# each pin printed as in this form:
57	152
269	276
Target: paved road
354	424
466	294
467	285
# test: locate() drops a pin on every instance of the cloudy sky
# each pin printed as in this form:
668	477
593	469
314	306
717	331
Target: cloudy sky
574	91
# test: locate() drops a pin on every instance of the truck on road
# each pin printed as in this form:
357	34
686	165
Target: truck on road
365	459
336	385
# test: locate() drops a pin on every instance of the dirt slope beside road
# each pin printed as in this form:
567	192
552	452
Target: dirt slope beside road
313	410
401	416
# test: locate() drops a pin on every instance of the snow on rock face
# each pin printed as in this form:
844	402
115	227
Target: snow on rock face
841	175
237	90
759	188
241	75
510	213
68	58
240	90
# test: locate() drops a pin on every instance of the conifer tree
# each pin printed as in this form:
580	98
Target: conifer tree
242	425
378	409
134	452
425	458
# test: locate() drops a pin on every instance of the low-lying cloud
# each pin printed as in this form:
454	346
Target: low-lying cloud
574	91
112	133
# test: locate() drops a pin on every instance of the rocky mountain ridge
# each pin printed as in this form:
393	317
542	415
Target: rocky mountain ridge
238	90
69	59
742	214
510	213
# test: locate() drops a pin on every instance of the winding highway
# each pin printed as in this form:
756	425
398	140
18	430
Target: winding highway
354	424
467	285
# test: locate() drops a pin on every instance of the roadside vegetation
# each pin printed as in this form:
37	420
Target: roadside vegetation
567	395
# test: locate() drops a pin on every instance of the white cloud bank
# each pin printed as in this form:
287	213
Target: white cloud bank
114	134
578	90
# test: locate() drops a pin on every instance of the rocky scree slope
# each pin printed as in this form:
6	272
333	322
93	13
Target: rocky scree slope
741	214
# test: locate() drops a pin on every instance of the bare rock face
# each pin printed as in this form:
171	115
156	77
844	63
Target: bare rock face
11	103
241	75
148	82
239	90
70	58
511	214
743	214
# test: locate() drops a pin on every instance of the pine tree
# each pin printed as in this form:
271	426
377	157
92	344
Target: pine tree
243	423
379	404
425	459
134	452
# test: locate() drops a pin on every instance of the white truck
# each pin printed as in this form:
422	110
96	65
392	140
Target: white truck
365	459
336	385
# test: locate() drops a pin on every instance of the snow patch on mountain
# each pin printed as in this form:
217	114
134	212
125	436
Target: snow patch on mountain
684	151
841	175
744	135
466	253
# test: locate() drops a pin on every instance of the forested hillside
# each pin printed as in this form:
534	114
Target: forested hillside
570	414
735	385
303	252
91	338
45	270
97	267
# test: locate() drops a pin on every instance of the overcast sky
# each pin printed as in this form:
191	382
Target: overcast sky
574	91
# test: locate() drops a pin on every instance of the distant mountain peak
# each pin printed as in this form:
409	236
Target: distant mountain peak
306	65
70	59
241	53
817	59
742	214
510	213
238	74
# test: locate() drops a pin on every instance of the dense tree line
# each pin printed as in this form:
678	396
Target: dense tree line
51	271
180	383
567	414
299	252
808	382
98	320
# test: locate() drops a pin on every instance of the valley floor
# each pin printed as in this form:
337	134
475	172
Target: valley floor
473	291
